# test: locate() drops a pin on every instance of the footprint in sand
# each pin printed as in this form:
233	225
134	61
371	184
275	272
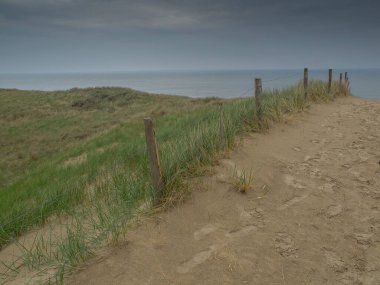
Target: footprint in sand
249	216
321	156
205	231
292	182
307	158
363	238
292	201
334	261
284	245
374	194
363	155
333	211
361	179
240	233
327	187
339	135
316	173
198	259
318	141
203	256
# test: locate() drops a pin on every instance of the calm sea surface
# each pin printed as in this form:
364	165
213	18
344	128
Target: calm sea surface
364	82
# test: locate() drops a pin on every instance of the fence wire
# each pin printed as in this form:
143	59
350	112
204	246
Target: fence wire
56	199
250	89
293	75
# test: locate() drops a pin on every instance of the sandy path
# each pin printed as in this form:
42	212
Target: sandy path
312	218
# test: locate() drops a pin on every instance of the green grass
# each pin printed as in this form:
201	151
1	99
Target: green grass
106	188
43	130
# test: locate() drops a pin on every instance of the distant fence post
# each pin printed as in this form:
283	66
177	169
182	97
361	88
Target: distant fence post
258	90
222	131
305	80
346	83
153	157
340	83
330	81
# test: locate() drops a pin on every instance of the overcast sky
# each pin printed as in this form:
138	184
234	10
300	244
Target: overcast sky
116	35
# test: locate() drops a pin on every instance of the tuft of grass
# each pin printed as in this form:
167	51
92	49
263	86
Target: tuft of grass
243	180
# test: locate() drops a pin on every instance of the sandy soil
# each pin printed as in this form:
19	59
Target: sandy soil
312	217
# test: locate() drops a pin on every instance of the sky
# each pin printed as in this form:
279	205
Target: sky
43	36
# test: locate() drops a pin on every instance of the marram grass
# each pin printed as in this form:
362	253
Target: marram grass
100	195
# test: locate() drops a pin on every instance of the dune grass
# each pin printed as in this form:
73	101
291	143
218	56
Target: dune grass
56	144
102	181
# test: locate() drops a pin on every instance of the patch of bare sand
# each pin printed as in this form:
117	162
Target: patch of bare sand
312	218
76	160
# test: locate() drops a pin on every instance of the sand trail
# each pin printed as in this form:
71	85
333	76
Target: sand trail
313	216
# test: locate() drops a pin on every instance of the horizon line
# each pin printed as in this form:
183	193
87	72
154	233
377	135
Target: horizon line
181	70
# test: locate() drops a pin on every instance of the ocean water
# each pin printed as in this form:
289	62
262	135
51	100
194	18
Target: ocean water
222	83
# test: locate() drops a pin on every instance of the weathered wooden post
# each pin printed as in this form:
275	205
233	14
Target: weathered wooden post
222	131
340	83
330	81
258	91
346	83
153	158
305	80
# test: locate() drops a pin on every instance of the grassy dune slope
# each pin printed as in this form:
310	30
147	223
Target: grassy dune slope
60	150
53	144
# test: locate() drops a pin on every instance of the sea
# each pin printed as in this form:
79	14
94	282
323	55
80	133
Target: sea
207	83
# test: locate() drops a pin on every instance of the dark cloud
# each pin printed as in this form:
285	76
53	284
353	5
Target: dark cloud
56	35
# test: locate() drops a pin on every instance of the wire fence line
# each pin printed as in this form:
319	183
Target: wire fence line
251	89
293	75
40	216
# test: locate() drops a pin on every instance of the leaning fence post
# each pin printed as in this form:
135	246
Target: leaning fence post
305	80
153	157
330	81
259	111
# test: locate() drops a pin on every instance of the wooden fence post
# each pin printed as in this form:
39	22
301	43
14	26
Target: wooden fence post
340	83
305	80
258	90
222	131
153	157
346	83
330	81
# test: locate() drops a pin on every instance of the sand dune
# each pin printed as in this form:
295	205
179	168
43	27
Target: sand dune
313	216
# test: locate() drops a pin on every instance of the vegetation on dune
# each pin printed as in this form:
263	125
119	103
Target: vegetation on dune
35	125
90	162
58	145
